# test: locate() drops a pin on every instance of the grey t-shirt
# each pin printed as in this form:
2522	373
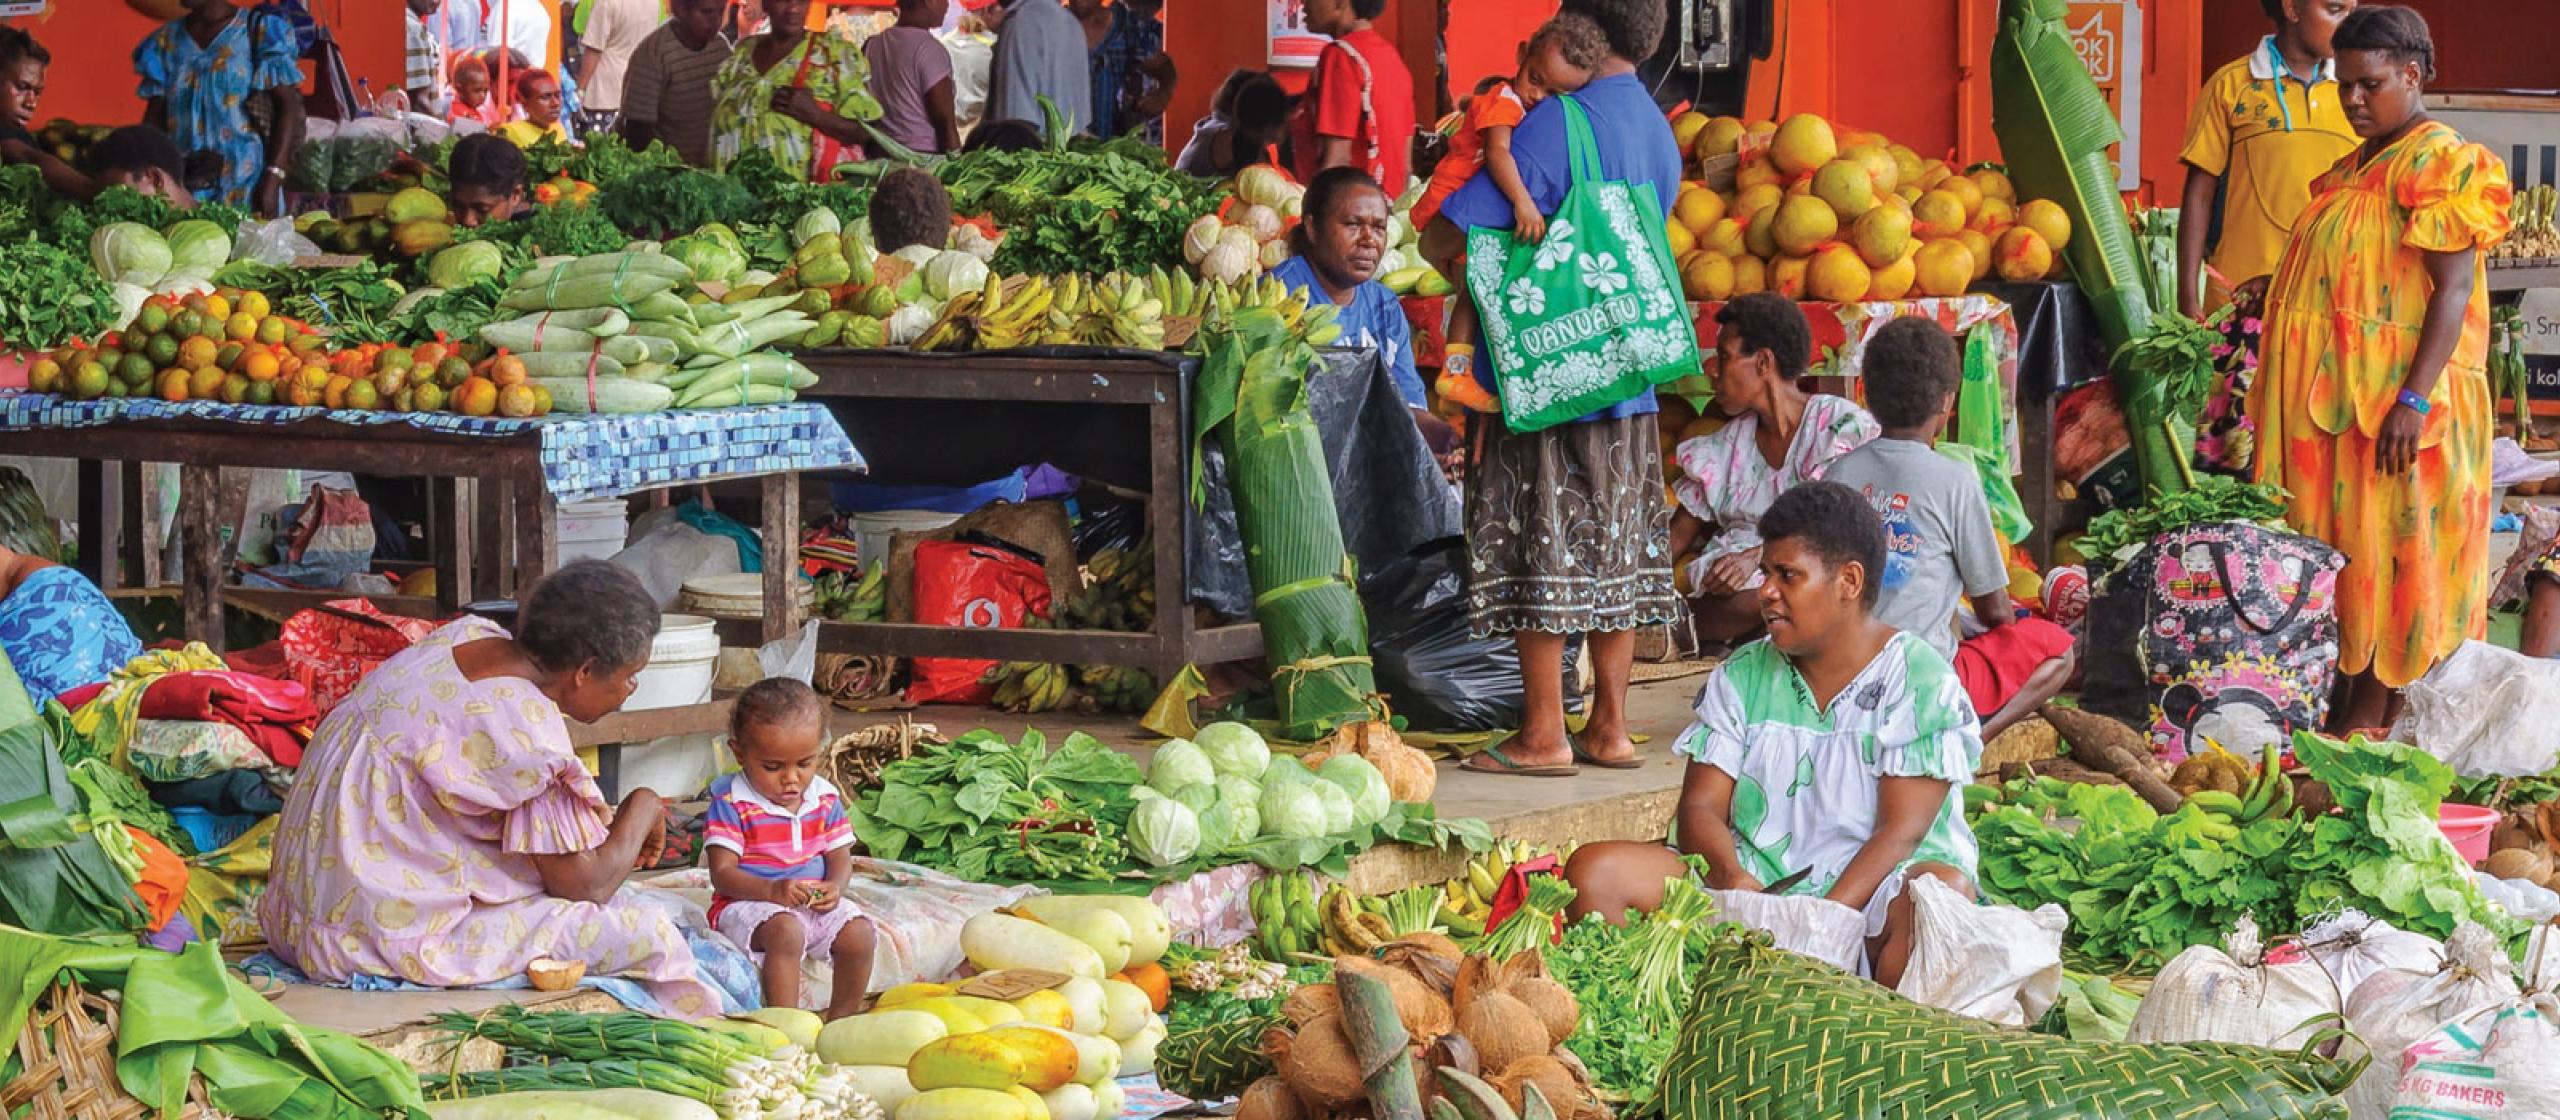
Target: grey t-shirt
1940	548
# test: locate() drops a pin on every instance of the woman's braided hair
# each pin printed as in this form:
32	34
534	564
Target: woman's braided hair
1633	27
2397	33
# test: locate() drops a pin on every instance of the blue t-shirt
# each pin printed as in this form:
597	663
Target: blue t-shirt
1635	144
1373	318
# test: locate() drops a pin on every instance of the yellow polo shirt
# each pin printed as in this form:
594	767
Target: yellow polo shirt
2268	134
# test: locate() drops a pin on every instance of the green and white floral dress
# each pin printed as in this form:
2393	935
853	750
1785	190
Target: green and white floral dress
1806	779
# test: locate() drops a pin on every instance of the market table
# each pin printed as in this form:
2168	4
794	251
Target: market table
538	462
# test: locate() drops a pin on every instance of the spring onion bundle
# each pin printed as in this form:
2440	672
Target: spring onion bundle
742	1077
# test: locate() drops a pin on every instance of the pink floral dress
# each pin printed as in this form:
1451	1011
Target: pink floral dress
1725	483
404	850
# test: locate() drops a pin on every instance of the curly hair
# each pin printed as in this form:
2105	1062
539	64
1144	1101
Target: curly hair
1772	322
910	207
1833	522
588	613
1633	27
1911	368
2274	10
2399	34
775	702
1578	40
17	46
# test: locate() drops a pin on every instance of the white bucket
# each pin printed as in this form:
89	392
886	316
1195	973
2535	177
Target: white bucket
871	530
680	663
678	767
738	595
593	530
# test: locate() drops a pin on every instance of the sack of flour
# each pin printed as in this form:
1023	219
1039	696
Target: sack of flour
2232	994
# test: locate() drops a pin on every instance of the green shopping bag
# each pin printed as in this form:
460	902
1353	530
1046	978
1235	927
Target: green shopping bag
1592	314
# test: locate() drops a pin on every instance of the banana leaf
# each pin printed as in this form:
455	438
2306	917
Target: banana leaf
2055	128
53	878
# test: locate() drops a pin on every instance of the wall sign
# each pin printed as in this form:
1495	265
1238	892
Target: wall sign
2108	35
1292	45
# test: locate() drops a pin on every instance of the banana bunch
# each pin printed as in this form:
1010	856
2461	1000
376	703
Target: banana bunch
1119	592
1181	293
1031	686
2219	815
2532	230
1115	311
1005	314
1118	688
1316	319
1466	902
1286	921
845	600
1353	926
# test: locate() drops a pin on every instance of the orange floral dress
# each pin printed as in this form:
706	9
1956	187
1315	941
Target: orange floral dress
2343	318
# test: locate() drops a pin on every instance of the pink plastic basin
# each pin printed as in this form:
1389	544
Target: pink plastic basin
2468	826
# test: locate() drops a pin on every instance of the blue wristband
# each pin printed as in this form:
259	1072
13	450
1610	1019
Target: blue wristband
2413	402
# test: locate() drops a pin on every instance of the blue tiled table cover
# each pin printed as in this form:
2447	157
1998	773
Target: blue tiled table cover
583	456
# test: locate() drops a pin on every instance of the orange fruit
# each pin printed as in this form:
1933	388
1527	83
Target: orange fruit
516	400
235	389
206	384
216	307
254	304
362	395
428	354
240	328
334	394
174	384
476	396
197	353
507	370
426	396
271	331
259	365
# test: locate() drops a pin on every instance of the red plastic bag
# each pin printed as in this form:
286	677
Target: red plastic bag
331	652
1513	892
977	586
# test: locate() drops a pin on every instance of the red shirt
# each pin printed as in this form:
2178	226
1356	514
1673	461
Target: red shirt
1333	107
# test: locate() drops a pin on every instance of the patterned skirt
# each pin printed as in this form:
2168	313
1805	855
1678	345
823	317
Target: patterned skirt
1569	529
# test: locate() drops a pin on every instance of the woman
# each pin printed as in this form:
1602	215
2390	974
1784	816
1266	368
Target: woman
911	79
2372	399
1826	758
1339	245
442	831
201	76
57	630
537	112
1358	108
786	85
1569	527
1779	437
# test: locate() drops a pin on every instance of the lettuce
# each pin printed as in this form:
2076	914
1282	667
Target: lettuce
129	253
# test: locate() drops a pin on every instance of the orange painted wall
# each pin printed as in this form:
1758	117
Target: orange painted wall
2479	44
92	78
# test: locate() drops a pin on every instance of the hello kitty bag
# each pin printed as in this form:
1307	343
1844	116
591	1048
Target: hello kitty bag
2232	634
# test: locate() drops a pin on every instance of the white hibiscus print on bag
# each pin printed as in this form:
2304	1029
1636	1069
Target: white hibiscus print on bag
1556	247
1527	298
1600	273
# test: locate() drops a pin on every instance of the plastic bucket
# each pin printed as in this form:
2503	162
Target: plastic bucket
679	668
871	530
2469	827
593	530
738	595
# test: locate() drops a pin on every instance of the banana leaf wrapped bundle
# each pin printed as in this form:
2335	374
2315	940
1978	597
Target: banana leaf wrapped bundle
54	876
1252	396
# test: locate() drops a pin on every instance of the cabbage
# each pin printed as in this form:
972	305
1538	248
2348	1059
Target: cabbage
1295	810
906	324
1262	184
129	301
917	255
1284	770
1236	787
973	241
1361	781
1201	237
1163	831
197	248
952	272
1235	749
1227	824
813	223
1263	222
458	266
709	256
1240	237
1198	795
129	253
1339	813
1178	763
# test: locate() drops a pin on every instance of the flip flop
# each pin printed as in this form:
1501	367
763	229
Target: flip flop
1589	759
1514	769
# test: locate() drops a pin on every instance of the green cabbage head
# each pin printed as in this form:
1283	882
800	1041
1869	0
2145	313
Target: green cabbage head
1359	779
1163	831
1235	748
1176	764
1296	809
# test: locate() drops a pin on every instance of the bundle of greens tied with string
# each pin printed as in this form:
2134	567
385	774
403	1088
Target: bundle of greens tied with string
749	1074
2175	371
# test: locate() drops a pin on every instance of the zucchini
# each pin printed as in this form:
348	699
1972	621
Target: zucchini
611	394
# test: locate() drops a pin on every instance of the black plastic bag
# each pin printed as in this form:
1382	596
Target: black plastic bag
1436	675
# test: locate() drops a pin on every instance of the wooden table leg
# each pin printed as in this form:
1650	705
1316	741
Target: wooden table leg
537	516
449	524
1167	497
200	539
96	556
140	545
781	555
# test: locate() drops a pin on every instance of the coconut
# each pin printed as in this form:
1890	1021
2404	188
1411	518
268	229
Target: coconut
2528	864
1527	980
1318	1062
1270	1099
549	975
1425	962
2515	830
1432	942
1309	1001
1425	1015
1502	1028
1554	1082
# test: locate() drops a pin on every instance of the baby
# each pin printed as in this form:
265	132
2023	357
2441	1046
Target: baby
780	849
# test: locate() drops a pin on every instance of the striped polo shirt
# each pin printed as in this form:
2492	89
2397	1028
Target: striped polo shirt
773	842
669	88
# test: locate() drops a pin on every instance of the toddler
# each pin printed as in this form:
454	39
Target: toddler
780	849
1558	59
472	100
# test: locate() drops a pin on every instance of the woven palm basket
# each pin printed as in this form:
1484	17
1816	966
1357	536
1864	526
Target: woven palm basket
854	761
67	1049
1772	1034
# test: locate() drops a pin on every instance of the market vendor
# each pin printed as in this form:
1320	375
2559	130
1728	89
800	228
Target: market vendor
538	105
58	631
228	81
1778	436
442	831
785	91
1833	749
23	63
2379	430
910	207
487	174
1339	245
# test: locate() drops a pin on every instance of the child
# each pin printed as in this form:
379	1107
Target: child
2264	128
1558	59
1939	543
1246	117
780	849
908	208
471	95
538	100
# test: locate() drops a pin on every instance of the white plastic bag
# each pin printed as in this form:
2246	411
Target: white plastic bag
2232	995
2355	947
273	243
2393	1010
795	657
2532	902
1996	963
1802	923
666	556
2500	1062
2487	712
